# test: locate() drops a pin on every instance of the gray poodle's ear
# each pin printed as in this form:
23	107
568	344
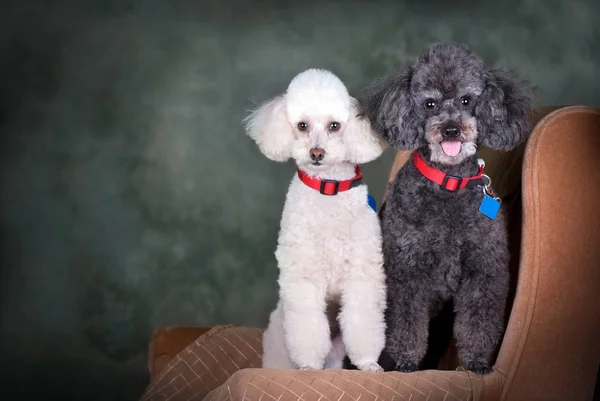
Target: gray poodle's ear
502	111
269	127
362	143
388	104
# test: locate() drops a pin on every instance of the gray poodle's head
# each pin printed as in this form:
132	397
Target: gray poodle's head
447	100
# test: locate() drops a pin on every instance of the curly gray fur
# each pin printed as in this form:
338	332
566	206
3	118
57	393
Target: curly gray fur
437	246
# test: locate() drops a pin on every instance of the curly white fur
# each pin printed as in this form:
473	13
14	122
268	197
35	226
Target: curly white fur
329	248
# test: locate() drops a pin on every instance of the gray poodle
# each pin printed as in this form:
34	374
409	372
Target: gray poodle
443	238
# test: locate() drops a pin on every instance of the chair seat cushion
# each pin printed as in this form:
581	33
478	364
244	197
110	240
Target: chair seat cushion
224	364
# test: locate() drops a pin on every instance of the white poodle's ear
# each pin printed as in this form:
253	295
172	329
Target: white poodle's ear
363	144
269	127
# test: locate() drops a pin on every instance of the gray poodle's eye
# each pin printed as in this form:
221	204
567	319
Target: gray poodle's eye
465	101
334	126
302	126
430	104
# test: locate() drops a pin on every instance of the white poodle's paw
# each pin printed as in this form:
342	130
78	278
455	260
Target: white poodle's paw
372	367
308	368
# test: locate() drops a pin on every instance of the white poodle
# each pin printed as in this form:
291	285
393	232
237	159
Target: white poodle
332	282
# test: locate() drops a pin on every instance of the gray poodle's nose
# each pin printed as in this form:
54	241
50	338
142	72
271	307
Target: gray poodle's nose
317	154
451	131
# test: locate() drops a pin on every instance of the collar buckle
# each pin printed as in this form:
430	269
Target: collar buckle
336	187
456	179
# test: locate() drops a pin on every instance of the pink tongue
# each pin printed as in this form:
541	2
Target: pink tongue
451	147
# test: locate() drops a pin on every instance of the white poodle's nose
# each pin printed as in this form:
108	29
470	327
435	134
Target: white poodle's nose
317	154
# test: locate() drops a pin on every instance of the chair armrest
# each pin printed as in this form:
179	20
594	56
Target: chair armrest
551	348
168	342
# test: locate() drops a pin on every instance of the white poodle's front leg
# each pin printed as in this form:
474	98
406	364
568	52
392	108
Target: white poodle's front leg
362	321
305	325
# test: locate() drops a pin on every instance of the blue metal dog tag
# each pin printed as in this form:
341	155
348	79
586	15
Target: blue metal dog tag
371	202
489	206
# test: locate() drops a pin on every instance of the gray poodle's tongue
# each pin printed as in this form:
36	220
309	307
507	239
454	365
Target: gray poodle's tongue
451	147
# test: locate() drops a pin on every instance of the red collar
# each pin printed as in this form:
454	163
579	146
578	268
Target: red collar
331	187
447	181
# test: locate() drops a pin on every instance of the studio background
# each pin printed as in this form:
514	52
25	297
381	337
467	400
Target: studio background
131	198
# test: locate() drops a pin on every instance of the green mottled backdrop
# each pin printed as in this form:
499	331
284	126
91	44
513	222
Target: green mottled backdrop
130	197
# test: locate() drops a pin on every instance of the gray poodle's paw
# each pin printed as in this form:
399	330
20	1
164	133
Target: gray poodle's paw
479	367
406	367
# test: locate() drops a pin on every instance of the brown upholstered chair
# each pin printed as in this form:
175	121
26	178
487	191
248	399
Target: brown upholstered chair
551	348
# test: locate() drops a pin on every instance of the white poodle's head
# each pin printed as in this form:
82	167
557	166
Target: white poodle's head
314	122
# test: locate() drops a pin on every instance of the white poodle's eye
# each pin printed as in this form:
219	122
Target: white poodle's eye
334	126
302	126
465	101
429	104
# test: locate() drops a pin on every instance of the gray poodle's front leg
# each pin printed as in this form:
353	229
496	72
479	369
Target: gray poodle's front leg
479	306
407	323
